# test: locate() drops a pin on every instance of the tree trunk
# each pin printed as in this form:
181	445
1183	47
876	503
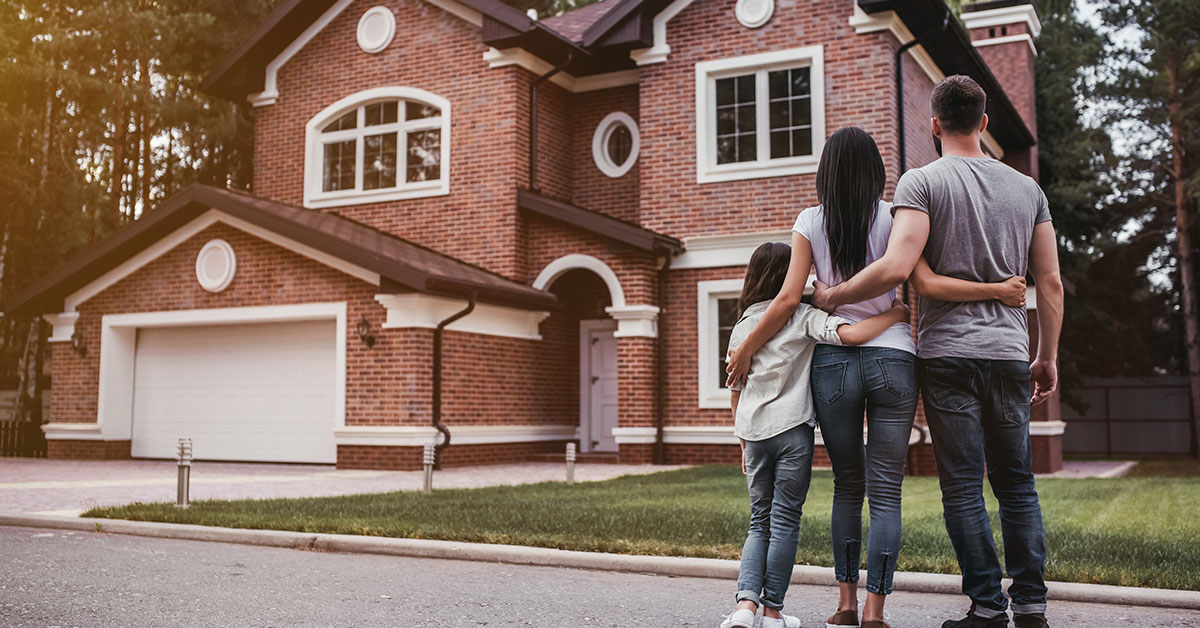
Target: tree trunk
1183	239
117	186
28	405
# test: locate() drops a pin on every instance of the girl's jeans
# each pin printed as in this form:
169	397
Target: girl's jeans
777	473
848	381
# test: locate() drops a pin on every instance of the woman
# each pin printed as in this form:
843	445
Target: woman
841	236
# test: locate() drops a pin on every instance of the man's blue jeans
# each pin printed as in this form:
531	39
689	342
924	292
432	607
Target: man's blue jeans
848	381
978	414
778	471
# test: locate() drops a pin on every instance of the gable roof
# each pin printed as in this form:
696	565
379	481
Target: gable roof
573	24
401	265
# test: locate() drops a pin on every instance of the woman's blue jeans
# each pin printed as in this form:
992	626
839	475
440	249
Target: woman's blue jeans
848	382
777	473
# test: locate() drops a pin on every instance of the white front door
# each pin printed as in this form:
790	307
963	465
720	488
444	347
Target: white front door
253	392
598	364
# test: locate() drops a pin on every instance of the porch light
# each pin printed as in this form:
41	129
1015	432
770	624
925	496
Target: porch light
364	332
78	343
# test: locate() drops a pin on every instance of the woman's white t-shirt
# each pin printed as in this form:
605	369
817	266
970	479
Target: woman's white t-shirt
811	225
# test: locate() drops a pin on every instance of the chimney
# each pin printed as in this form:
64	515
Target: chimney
1003	31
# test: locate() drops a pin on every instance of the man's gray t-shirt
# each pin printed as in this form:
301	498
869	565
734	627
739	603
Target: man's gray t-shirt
981	219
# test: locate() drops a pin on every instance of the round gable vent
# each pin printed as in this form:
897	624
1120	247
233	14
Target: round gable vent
215	266
754	13
376	28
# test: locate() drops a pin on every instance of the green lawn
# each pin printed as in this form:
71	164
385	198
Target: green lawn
1126	531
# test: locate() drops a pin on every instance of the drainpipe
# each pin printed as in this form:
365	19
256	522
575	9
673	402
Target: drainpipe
533	89
660	454
437	379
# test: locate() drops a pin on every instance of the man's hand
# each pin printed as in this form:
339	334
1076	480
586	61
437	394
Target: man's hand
1045	380
1012	292
743	444
737	368
823	297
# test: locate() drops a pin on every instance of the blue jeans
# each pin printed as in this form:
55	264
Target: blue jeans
846	382
978	413
778	470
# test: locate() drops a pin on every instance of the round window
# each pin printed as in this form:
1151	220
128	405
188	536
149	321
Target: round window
376	28
215	265
615	144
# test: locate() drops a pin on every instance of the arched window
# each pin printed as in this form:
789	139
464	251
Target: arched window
381	144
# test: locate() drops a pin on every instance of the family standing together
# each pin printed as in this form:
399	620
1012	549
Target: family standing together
965	231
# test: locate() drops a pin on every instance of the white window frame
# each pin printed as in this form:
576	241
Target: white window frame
600	144
314	194
711	395
707	73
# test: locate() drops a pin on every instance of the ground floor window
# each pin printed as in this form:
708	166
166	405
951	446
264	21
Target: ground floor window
716	314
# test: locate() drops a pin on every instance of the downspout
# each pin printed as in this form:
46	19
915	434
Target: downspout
533	90
437	378
660	454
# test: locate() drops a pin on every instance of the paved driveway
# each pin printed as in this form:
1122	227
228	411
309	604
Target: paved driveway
69	487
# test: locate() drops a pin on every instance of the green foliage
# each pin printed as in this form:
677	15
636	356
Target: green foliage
1134	532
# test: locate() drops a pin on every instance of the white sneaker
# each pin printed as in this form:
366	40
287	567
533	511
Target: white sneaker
786	621
741	618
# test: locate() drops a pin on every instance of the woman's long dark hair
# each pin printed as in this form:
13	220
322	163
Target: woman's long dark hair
850	180
765	274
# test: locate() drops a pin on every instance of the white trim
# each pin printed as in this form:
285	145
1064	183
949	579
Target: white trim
889	21
657	53
600	144
420	435
578	260
634	435
586	327
710	393
187	231
425	311
314	195
635	321
118	341
1004	16
371	47
724	250
460	11
1025	37
72	431
1031	298
1047	428
221	247
523	58
753	21
707	73
707	435
63	325
270	91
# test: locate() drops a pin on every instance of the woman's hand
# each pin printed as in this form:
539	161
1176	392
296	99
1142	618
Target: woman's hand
743	445
1012	292
737	367
900	308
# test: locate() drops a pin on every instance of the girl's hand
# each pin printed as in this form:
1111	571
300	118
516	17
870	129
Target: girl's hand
1012	292
742	443
900	308
737	368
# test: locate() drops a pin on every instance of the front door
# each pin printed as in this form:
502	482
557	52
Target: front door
598	365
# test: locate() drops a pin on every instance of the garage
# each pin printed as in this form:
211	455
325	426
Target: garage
247	392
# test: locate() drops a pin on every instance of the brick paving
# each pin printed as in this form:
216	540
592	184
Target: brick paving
69	487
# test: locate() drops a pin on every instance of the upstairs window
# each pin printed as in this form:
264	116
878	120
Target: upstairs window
760	115
382	144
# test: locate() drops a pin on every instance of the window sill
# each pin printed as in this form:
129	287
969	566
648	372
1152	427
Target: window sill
757	171
716	399
363	198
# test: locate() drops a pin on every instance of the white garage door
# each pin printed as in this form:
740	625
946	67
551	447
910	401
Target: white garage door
260	392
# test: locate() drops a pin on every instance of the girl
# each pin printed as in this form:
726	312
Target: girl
848	231
774	420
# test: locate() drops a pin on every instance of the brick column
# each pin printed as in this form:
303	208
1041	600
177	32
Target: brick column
636	391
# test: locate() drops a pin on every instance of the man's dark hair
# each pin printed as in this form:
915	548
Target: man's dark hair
958	103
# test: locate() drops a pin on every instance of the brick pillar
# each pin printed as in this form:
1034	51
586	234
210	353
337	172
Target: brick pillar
636	391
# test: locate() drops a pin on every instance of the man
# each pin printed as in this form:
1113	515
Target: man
975	218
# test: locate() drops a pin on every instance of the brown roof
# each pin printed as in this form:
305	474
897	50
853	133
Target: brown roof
401	264
573	24
601	224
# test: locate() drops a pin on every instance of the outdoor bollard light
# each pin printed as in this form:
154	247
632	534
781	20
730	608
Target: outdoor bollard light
185	472
430	452
570	463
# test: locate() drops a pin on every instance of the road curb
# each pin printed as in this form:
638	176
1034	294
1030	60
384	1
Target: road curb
539	556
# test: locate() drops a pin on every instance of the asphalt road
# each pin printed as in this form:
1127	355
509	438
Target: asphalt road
56	578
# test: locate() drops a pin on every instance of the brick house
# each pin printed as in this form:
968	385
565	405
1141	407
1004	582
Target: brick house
512	232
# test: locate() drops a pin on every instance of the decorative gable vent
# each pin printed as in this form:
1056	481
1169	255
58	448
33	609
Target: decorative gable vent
215	265
376	28
754	13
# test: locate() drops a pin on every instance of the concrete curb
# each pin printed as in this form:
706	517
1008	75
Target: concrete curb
521	555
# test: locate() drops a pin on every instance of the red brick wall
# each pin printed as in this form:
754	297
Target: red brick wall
1012	63
918	130
594	189
88	449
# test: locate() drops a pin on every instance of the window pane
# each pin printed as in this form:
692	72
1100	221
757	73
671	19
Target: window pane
745	88
780	144
802	141
777	85
424	156
801	111
381	113
736	119
379	161
348	121
726	122
620	144
339	166
726	149
747	147
417	111
725	92
790	113
779	114
800	86
727	317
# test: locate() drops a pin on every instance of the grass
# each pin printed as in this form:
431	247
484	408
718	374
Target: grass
1125	531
